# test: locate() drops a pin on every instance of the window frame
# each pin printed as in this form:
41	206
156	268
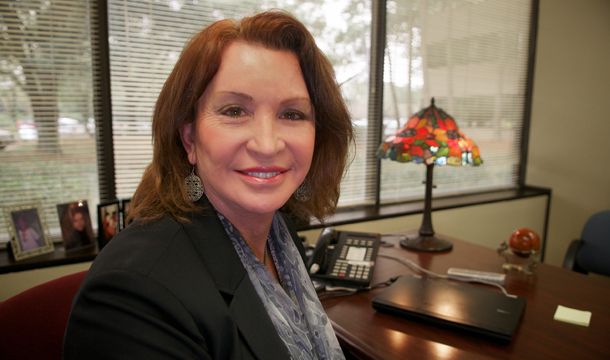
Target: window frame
105	141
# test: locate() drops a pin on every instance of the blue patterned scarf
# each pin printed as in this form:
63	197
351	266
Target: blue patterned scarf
293	305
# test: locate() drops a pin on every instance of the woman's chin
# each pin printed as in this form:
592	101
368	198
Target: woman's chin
250	204
264	206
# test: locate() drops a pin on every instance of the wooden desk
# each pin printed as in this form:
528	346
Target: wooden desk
368	334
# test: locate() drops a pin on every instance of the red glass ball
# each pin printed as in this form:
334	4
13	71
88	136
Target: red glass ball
524	242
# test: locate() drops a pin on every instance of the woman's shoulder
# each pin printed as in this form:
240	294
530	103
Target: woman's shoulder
161	242
140	245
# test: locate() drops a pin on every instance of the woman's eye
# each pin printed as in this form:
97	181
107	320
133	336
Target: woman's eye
292	115
234	112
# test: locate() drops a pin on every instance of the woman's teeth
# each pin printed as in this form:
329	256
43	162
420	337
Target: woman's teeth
263	175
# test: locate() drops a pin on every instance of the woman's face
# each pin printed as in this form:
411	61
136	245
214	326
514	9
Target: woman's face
78	222
254	136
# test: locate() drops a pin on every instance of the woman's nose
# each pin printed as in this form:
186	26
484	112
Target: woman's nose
266	139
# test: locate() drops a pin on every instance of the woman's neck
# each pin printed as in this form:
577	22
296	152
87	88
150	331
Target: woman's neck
254	233
253	228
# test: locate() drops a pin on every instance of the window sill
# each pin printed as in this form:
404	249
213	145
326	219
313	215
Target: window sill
56	258
353	215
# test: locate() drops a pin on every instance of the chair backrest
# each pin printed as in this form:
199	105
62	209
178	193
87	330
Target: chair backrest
594	253
32	323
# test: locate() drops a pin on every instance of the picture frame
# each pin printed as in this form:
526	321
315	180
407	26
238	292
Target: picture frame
28	231
108	222
125	206
75	222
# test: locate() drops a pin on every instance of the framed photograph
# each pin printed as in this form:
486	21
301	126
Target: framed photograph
125	205
107	222
75	222
28	231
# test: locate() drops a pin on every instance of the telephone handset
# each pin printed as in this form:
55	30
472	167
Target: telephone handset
344	257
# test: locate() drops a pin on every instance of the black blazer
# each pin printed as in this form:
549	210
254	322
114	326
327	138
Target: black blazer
165	290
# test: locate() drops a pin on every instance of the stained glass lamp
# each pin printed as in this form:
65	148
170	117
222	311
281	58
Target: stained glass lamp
430	137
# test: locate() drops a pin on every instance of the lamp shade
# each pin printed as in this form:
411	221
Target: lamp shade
430	136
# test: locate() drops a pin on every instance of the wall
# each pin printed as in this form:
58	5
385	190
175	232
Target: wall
570	129
14	283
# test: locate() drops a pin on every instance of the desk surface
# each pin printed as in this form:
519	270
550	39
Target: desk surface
369	334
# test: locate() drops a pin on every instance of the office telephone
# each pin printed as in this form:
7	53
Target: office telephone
344	258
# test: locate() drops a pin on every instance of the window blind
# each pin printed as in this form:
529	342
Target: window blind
47	105
472	57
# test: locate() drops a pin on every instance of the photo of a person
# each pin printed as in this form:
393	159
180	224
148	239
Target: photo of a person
126	205
108	222
75	225
29	232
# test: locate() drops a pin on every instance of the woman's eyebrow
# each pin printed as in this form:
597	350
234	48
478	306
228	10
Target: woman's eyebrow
248	97
235	93
303	98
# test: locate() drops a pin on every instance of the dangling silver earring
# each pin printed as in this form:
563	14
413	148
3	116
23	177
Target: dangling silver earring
194	187
302	192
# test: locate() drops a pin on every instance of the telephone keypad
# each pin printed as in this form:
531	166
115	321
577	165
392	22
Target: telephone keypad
353	260
343	268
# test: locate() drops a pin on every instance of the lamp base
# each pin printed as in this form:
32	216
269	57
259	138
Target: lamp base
426	243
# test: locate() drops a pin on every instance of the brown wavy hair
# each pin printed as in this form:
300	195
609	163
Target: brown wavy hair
161	191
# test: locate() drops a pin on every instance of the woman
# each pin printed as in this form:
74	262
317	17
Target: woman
79	236
251	120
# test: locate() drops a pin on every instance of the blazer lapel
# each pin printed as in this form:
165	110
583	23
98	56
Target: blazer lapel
232	280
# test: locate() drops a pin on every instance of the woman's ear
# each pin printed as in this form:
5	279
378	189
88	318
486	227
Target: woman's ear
187	135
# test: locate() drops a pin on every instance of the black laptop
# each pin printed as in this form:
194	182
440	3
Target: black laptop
459	306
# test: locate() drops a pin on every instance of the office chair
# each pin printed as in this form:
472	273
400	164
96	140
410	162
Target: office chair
591	253
32	323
